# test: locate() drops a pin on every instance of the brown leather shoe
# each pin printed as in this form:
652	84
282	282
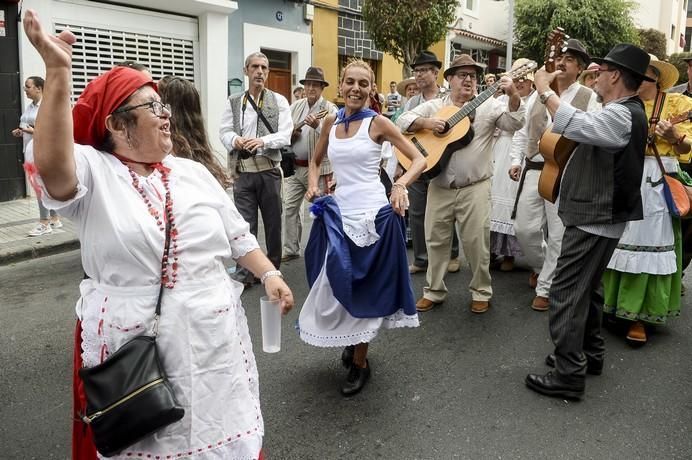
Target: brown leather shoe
637	332
507	264
454	265
479	306
540	303
533	280
289	257
424	304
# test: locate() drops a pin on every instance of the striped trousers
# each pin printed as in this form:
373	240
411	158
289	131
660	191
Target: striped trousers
576	302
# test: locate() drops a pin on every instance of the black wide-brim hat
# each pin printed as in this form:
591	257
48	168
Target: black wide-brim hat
575	47
426	57
629	57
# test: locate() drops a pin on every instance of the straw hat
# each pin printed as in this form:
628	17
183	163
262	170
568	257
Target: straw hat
668	73
591	69
401	87
520	62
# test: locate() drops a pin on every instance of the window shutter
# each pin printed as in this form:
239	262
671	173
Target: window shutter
98	50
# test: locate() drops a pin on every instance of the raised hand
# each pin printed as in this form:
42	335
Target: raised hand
55	50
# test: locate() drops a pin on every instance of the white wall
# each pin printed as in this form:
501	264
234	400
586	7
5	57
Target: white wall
297	43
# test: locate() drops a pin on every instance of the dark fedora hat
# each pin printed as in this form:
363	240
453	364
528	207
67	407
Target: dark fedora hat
426	57
575	47
314	74
628	57
463	60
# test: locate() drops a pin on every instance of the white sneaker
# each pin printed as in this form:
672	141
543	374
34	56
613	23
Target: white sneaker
56	224
41	229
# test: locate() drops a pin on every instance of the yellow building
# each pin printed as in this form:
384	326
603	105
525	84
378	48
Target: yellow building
338	33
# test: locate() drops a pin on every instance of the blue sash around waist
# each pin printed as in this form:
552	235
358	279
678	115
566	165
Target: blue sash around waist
371	281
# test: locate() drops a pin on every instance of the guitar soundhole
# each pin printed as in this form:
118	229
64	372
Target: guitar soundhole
444	131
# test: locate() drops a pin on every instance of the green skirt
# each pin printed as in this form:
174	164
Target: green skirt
645	297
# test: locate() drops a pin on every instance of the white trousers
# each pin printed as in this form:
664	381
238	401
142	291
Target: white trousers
539	231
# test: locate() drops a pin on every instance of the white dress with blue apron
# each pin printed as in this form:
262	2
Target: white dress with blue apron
356	257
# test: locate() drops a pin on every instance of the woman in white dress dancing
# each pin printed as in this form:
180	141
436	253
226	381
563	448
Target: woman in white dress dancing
356	256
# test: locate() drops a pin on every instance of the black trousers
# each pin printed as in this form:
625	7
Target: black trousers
261	191
576	302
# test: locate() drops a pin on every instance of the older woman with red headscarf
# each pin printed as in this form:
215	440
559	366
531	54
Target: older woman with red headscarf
111	172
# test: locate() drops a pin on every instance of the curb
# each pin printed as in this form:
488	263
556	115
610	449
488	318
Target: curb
33	251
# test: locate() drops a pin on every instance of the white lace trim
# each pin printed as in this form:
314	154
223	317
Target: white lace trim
654	263
397	320
506	228
242	244
362	230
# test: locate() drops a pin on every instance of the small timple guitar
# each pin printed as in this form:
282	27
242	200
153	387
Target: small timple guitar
321	114
437	148
555	148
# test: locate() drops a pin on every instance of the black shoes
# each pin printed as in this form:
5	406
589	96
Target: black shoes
593	367
347	356
551	384
357	376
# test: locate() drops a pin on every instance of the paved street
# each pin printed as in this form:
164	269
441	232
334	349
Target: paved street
452	388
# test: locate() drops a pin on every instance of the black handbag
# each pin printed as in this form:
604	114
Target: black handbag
128	395
288	162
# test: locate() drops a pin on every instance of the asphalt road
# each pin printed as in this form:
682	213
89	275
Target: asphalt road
452	388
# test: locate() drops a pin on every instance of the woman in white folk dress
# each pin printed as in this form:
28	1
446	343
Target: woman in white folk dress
111	172
356	255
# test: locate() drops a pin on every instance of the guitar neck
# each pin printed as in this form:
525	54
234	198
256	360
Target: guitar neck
469	107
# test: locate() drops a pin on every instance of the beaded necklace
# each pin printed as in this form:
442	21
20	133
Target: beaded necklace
172	262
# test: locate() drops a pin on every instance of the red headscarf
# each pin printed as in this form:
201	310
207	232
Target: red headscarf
100	98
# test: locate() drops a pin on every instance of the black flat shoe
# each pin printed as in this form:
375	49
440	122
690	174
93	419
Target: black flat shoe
357	376
593	367
551	385
347	355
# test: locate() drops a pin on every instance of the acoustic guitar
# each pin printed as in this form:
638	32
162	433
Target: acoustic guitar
555	148
437	148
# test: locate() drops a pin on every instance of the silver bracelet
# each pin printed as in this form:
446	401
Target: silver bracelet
269	273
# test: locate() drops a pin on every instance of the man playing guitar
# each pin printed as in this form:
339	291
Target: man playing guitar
461	192
536	218
307	115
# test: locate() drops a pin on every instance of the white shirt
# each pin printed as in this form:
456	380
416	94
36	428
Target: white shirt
281	138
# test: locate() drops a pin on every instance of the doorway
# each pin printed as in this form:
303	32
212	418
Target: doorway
280	76
12	183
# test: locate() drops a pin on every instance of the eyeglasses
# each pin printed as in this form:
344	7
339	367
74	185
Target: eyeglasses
422	70
157	108
598	72
462	75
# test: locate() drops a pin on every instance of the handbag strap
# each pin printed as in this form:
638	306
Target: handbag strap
655	117
164	263
259	112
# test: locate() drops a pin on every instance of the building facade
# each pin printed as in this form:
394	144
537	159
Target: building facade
187	38
667	16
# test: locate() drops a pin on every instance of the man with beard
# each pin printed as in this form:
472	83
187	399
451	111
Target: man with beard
461	192
303	142
599	193
426	68
536	219
254	127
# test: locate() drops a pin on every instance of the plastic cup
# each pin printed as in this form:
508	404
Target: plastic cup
270	311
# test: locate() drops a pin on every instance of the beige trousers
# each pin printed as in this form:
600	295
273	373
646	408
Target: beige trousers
470	208
294	194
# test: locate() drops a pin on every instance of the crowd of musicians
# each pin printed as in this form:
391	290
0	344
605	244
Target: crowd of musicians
558	168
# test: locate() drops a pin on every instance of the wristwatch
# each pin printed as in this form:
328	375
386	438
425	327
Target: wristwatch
544	97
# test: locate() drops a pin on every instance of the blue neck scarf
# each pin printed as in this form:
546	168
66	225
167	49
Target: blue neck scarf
361	114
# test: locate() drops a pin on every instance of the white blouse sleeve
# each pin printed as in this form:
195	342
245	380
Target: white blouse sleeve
69	208
237	229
